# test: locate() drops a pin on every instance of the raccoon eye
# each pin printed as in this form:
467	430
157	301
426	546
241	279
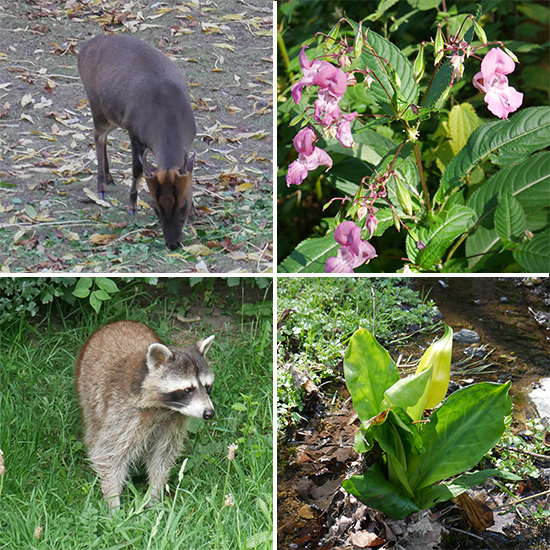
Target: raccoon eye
188	391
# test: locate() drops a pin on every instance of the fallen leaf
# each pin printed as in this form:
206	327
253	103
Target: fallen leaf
26	99
198	250
93	196
476	514
365	539
225	47
245	187
99	239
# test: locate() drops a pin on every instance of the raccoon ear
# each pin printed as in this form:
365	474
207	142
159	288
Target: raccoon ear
204	344
157	355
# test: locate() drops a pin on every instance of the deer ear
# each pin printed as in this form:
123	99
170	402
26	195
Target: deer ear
157	355
204	344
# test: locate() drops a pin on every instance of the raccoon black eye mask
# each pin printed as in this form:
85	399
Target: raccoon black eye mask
137	396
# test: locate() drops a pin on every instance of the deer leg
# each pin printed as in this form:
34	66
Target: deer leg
137	170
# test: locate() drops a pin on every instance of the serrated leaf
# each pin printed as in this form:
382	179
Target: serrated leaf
310	256
509	218
478	244
527	131
534	255
462	122
440	235
408	91
424	4
439	86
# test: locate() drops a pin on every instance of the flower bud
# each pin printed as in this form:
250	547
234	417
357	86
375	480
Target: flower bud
438	355
358	42
439	45
404	197
371	224
419	64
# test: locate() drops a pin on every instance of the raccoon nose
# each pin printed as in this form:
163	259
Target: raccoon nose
208	414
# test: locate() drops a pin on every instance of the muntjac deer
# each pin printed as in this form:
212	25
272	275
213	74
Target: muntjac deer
133	86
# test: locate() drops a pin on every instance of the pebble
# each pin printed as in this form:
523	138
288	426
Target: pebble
466	336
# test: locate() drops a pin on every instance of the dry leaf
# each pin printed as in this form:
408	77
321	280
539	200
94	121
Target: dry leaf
225	47
476	514
90	194
365	539
26	99
198	250
245	187
99	239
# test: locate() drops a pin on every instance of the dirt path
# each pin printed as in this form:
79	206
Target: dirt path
48	222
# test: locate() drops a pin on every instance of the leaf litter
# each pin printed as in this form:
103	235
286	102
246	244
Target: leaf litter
47	156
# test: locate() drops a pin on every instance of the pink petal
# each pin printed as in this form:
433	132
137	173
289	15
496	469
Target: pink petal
342	234
337	265
343	135
317	158
496	61
303	141
326	111
333	80
297	173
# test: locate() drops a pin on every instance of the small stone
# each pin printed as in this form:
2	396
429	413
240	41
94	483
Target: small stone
306	512
466	336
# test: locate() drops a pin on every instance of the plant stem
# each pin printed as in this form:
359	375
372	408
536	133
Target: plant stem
422	179
282	48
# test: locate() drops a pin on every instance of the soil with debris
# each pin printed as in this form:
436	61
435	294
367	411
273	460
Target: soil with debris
50	219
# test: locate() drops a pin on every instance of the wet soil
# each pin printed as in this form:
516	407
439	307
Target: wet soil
314	512
49	218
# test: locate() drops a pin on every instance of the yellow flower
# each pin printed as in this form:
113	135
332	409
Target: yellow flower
438	355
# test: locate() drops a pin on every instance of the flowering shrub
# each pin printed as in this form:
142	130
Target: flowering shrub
363	106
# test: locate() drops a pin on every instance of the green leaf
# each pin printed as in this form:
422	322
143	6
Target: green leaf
479	244
411	393
95	302
82	288
100	295
439	86
534	255
509	218
528	182
462	122
369	371
106	284
424	4
374	490
507	140
310	256
430	496
440	235
459	433
385	50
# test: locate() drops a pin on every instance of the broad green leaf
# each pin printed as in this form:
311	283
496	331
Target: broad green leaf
478	244
310	256
369	146
385	50
439	236
410	393
528	182
82	288
106	284
369	371
509	218
462	122
507	141
430	496
459	433
438	356
374	490
534	255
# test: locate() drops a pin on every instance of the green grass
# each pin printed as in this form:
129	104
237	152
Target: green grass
48	484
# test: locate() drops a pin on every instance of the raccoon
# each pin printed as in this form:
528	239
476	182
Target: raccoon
137	396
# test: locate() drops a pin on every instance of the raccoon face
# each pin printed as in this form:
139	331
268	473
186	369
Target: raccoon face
192	400
179	379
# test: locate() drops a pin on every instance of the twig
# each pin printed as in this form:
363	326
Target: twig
519	501
536	455
39	224
466	533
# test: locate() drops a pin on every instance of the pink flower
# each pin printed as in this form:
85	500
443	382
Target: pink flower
372	224
310	70
343	134
501	98
353	252
309	157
